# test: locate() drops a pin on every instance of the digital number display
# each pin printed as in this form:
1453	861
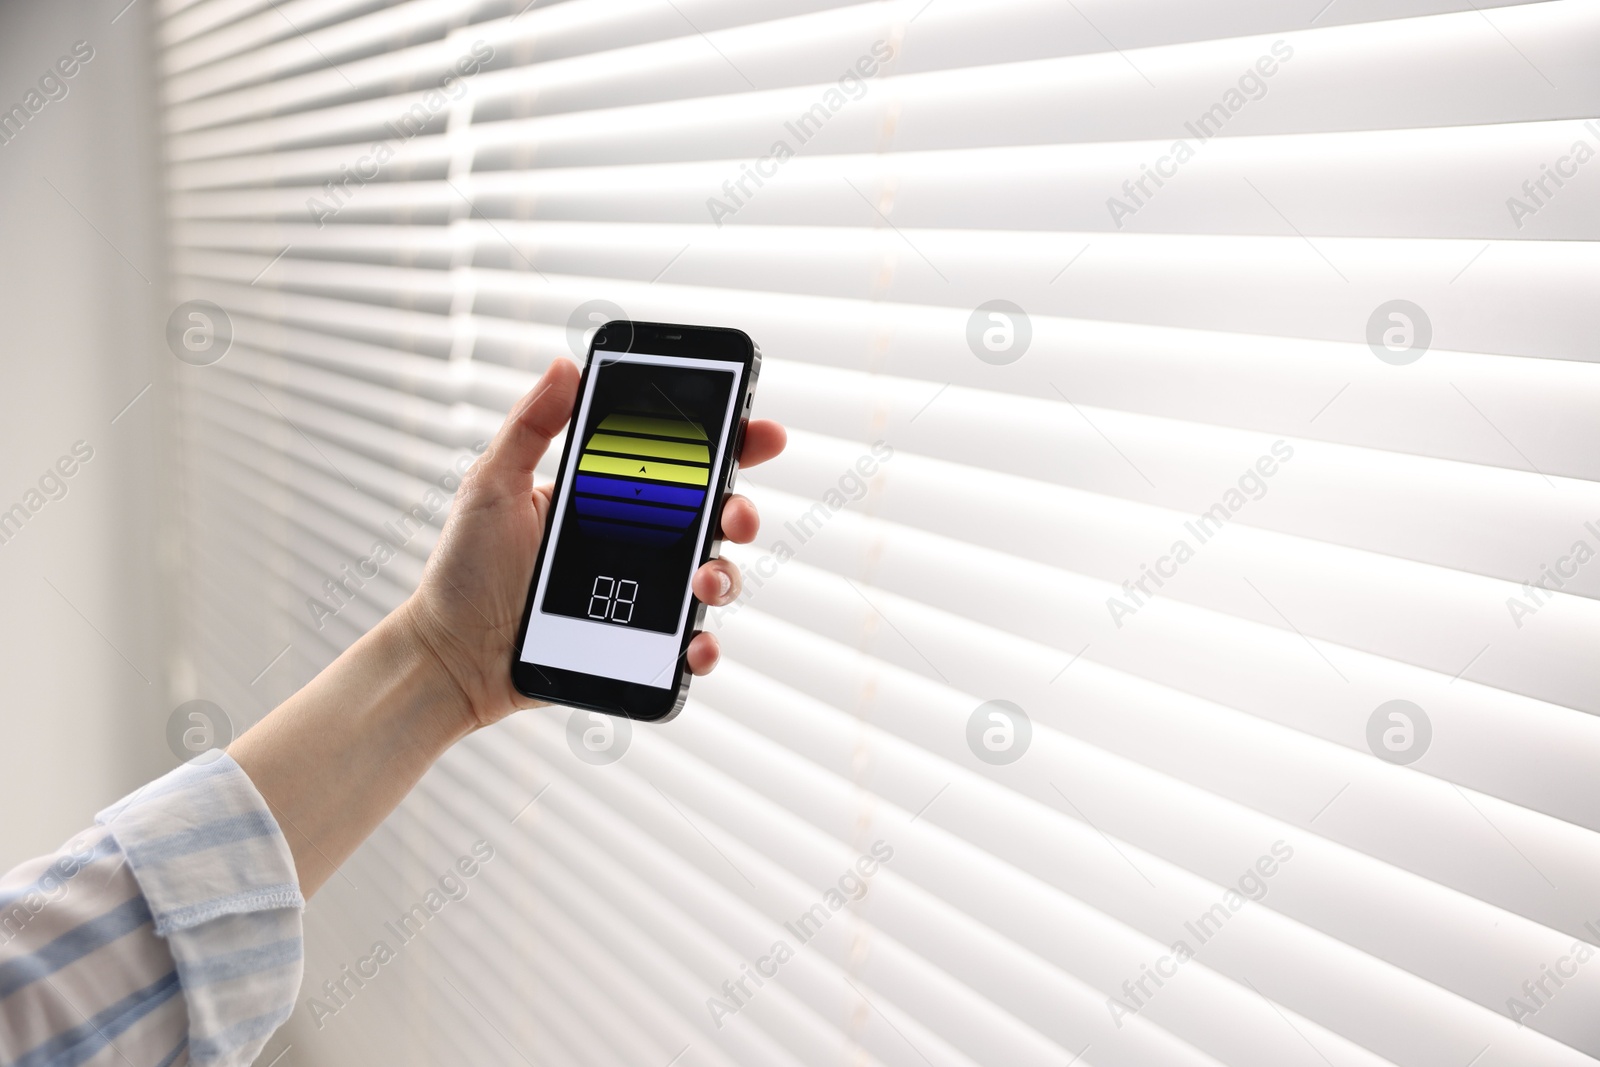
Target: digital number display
612	599
644	476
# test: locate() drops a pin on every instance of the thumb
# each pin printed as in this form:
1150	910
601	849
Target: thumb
537	417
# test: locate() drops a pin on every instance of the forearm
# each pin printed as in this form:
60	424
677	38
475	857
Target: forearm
336	758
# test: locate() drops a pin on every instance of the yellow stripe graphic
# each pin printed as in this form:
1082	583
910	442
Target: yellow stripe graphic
644	446
645	468
660	427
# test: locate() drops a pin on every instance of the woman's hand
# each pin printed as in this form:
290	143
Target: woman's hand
467	610
335	758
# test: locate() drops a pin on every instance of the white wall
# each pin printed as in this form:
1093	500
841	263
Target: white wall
83	678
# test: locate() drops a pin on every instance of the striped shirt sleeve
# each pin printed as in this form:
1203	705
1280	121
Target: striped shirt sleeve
168	934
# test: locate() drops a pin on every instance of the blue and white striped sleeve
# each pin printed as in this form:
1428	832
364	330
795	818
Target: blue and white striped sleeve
168	934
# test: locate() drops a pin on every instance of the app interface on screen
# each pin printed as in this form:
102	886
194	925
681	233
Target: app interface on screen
645	472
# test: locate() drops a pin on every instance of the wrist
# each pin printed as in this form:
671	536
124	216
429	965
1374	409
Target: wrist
428	652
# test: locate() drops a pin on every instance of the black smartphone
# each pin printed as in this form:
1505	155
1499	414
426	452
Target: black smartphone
650	456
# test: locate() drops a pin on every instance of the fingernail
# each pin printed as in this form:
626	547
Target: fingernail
724	583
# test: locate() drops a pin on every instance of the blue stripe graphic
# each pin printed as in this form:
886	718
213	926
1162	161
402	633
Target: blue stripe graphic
654	514
645	491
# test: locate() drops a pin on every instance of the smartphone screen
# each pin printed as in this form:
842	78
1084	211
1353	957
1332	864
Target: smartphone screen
636	494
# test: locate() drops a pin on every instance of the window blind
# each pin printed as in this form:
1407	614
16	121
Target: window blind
1173	389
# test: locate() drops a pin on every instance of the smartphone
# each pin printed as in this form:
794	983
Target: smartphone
650	456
